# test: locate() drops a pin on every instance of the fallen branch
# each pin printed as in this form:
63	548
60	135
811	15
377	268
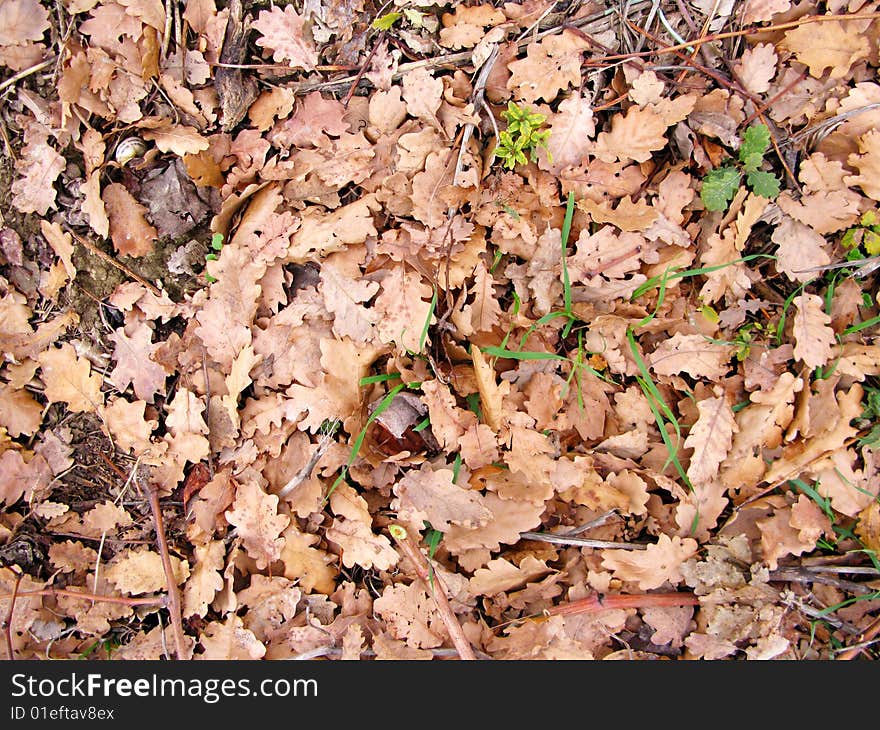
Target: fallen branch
866	636
435	589
173	605
113	262
85	596
9	647
599	603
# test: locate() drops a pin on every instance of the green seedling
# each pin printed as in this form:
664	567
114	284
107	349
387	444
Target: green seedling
523	137
216	245
721	184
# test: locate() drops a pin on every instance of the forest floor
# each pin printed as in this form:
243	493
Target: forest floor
521	330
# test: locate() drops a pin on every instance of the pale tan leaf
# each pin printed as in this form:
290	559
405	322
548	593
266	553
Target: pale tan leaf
571	132
654	566
127	425
281	32
22	21
551	65
832	45
628	216
409	614
135	366
634	136
179	139
404	308
352	531
205	580
69	378
868	164
309	566
813	336
692	354
255	515
501	575
431	495
757	67
800	250
711	438
491	394
229	640
19	412
140	571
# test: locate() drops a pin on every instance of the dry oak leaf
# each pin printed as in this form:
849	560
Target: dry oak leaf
186	429
466	27
813	336
352	531
130	232
627	216
509	519
652	567
71	556
125	423
134	364
826	211
403	308
827	45
136	572
20	414
757	67
22	21
321	233
550	65
62	244
491	394
571	132
255	515
868	165
422	94
307	565
711	438
38	166
756	11
799	251
229	640
695	355
20	478
282	33
431	495
780	538
179	139
410	614
205	580
70	379
635	136
868	527
501	575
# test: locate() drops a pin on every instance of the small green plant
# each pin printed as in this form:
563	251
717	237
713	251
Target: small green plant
216	245
863	239
746	337
520	142
721	184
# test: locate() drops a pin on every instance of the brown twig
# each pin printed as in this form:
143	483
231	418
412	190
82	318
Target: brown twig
866	636
27	72
598	603
580	541
121	600
174	605
113	262
9	646
435	589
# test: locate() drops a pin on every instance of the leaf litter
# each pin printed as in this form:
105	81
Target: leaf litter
366	383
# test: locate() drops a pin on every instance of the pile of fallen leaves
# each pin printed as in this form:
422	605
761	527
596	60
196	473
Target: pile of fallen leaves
288	351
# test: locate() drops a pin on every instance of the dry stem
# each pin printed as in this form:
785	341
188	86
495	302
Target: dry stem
437	591
113	262
174	605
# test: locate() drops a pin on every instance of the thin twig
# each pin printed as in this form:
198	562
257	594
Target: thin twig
113	262
306	471
580	541
174	605
435	589
598	603
60	592
9	647
866	636
27	72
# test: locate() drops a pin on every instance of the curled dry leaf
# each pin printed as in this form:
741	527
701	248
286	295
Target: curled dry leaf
255	516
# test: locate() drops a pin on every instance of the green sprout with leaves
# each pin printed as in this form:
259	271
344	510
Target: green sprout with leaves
720	185
520	142
863	239
216	245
